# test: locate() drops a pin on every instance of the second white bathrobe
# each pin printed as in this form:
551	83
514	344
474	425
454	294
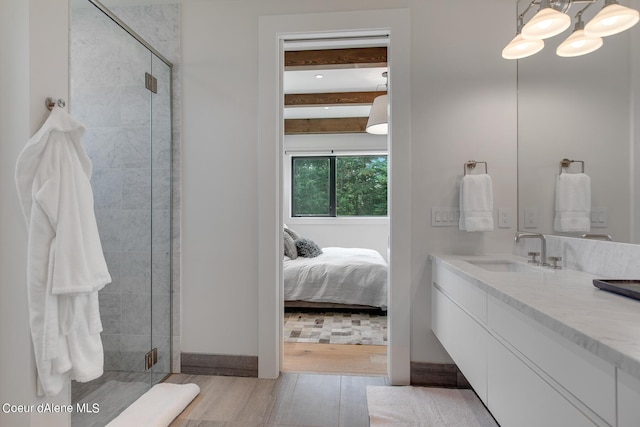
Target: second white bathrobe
65	263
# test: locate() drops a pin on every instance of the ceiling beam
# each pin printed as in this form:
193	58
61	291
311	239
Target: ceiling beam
361	57
328	99
333	125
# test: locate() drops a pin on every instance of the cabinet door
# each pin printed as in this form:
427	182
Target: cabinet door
463	338
628	400
466	294
519	397
584	375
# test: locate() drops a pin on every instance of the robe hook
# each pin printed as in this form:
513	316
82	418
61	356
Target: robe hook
52	102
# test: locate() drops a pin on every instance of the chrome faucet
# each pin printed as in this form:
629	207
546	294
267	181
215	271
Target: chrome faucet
543	244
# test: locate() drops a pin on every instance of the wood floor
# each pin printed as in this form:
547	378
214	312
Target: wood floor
335	359
301	400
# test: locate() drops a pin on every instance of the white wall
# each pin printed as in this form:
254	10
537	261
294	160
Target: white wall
464	107
34	65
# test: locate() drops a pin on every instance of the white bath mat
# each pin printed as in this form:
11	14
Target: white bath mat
112	397
426	407
158	407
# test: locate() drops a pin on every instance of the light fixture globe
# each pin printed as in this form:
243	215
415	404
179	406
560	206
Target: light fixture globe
520	48
578	43
378	123
612	19
546	23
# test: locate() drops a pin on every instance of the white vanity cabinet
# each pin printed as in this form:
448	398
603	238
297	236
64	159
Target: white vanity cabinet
458	319
526	373
519	397
537	377
628	400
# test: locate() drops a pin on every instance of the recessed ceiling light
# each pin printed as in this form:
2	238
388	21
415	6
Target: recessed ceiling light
319	76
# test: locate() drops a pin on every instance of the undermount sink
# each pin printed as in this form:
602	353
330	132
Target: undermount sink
503	265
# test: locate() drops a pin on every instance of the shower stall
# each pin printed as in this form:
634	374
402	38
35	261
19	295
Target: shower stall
121	91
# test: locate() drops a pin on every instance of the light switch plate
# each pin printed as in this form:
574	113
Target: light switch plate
445	217
504	218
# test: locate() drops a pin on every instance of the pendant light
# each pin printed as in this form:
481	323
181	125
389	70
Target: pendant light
579	43
378	122
612	19
520	47
546	23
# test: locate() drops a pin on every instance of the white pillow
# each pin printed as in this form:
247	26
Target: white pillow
289	244
293	234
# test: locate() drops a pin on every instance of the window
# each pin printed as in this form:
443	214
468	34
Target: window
332	186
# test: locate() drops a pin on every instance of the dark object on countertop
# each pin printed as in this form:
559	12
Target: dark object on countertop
628	288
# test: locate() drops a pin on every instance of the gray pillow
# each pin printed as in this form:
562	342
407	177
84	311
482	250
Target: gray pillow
290	249
293	234
307	248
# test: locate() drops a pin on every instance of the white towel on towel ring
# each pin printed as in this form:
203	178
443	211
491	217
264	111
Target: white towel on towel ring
573	202
476	203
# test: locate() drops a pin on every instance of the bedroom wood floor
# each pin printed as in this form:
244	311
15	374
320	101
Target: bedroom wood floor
335	359
301	400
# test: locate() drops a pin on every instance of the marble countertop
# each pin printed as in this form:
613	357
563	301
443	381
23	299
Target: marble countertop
565	301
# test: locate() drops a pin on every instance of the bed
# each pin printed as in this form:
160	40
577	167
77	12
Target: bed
340	276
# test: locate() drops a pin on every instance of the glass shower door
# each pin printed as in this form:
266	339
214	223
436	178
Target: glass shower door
161	262
121	92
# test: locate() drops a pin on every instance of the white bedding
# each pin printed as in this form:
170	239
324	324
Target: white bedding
339	275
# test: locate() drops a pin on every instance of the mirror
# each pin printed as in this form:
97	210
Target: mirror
586	109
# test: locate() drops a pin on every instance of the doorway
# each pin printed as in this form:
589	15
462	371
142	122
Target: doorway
273	31
335	196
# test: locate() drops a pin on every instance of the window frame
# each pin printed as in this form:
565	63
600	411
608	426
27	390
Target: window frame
332	185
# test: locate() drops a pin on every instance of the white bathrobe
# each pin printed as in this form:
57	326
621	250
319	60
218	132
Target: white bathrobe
65	263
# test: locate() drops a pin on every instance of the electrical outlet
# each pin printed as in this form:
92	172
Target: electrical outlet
599	217
530	217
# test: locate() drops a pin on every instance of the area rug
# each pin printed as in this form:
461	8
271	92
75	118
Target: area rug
426	407
335	328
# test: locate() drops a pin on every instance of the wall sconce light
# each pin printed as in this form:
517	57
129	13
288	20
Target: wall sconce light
612	19
548	22
520	47
551	20
579	42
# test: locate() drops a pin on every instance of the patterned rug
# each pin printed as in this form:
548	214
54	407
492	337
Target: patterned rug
335	328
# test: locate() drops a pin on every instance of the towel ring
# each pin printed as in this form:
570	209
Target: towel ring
52	102
565	163
471	164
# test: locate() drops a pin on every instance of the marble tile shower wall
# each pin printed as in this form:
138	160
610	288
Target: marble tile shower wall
108	96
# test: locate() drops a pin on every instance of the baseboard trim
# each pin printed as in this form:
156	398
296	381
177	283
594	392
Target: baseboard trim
219	364
437	375
422	374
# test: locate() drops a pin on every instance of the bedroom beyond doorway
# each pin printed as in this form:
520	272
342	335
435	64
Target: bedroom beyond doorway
335	213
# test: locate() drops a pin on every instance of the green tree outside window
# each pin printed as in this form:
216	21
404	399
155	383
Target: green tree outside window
339	186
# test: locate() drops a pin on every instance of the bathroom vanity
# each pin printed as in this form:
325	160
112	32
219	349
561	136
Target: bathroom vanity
539	346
